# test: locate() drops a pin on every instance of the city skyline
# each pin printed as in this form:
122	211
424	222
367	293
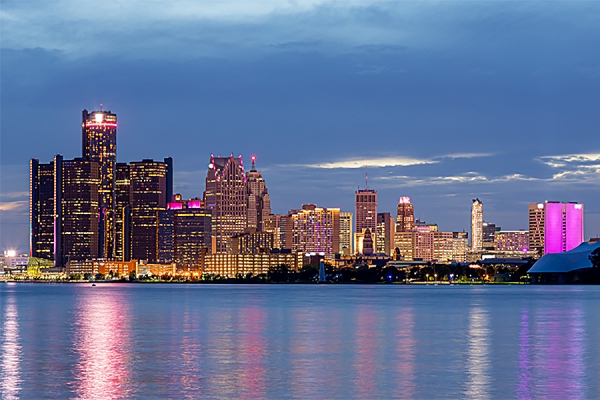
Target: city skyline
448	103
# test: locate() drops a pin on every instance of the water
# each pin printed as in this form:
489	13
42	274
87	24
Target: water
299	341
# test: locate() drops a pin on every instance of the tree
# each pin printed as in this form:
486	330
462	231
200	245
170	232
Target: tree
595	258
132	276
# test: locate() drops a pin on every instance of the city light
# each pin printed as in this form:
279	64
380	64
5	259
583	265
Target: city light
10	253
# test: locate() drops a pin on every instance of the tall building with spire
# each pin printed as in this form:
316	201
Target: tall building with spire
476	225
226	196
99	144
258	200
405	218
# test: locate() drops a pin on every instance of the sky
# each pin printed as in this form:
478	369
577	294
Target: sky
445	101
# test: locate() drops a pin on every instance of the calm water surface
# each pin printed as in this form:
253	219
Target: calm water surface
299	341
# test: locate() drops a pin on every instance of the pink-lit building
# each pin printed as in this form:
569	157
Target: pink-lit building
555	227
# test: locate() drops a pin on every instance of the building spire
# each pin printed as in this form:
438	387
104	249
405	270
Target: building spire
253	158
366	176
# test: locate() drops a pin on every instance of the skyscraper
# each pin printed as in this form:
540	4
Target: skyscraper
384	235
122	212
99	144
555	227
366	210
405	219
476	225
346	233
41	210
147	196
76	210
226	196
259	201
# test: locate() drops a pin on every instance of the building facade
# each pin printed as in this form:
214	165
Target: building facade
99	144
147	195
476	225
226	196
555	227
258	199
41	210
346	233
405	218
315	230
384	234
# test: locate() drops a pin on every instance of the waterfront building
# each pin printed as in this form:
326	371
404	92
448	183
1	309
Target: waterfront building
315	229
431	245
460	246
232	265
405	219
226	196
366	210
76	210
384	234
99	144
101	266
346	233
41	209
258	198
148	196
476	225
555	227
252	242
511	241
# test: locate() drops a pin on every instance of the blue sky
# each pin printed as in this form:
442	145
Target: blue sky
445	101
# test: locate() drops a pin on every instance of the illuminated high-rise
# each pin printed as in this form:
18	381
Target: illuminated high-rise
346	233
476	225
226	196
384	235
555	227
405	218
315	230
122	212
99	144
366	210
258	200
41	210
76	210
148	191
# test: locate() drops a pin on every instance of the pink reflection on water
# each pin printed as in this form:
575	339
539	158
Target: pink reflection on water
252	353
365	351
563	367
405	349
102	345
10	380
191	376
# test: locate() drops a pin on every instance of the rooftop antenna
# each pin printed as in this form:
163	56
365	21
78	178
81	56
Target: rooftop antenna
366	177
253	158
101	106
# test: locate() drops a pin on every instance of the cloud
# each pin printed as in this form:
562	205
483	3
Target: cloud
466	155
14	205
13	195
353	163
561	160
580	168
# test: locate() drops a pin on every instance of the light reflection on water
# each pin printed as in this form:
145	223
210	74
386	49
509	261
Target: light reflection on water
10	378
284	341
102	346
478	362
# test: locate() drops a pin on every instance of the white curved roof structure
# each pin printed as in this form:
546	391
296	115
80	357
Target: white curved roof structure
572	260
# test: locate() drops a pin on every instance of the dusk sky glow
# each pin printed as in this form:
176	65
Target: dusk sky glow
444	100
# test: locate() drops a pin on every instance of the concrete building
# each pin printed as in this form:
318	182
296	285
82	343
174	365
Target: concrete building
476	225
405	218
41	209
512	241
366	210
232	265
555	227
252	242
